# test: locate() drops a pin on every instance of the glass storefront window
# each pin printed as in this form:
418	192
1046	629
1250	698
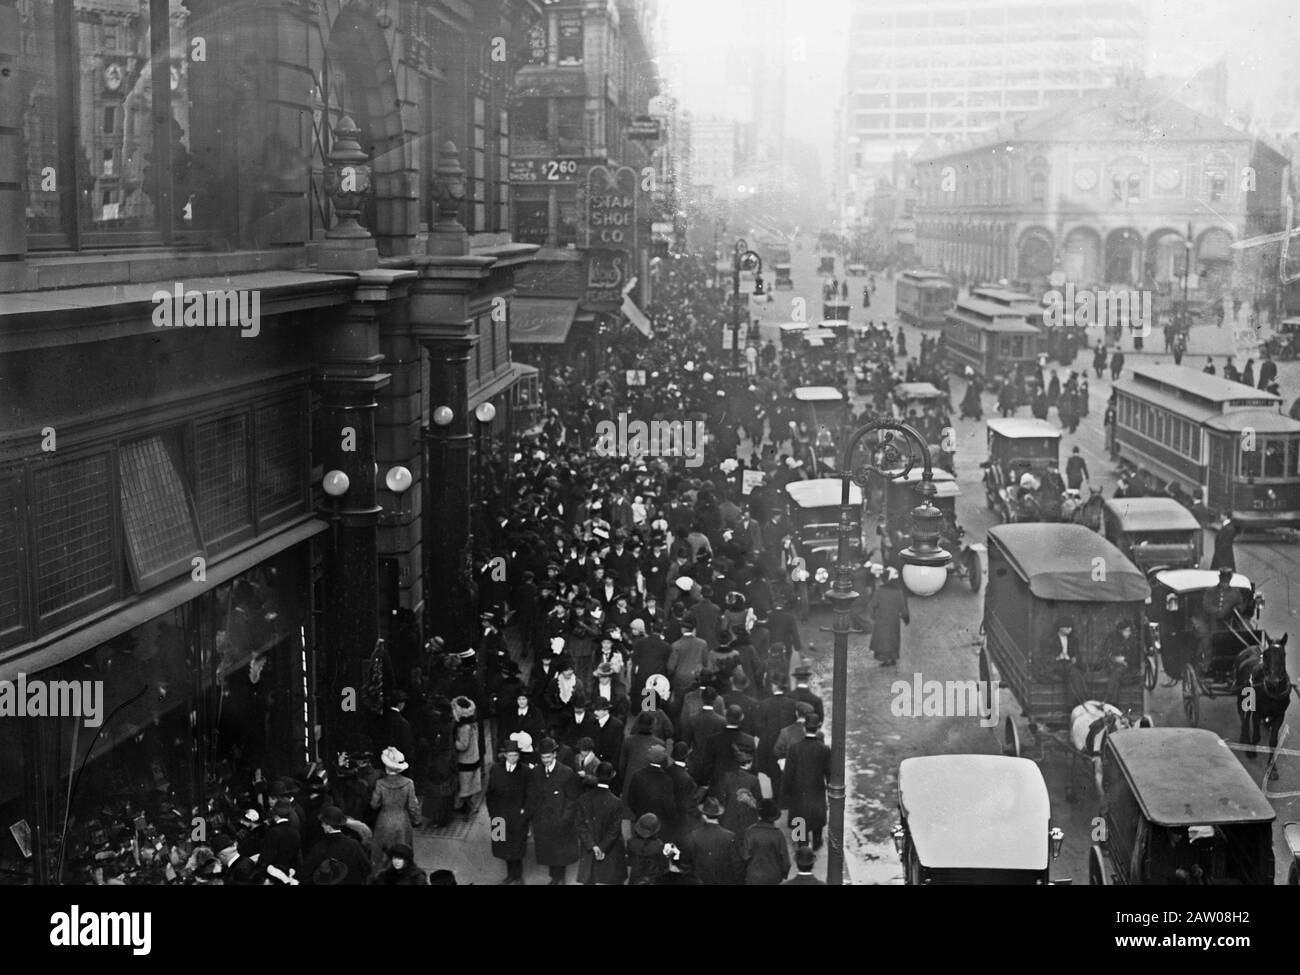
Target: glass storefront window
198	705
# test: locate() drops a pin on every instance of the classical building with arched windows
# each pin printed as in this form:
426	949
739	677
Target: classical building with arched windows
1108	189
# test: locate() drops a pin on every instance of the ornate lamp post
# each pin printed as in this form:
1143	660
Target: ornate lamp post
925	569
742	258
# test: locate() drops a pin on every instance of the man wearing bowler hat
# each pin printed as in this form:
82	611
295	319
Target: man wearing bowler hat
804	860
720	752
801	692
337	845
803	785
764	849
553	812
600	833
507	801
714	852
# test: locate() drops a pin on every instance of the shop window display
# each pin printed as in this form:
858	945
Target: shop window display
203	707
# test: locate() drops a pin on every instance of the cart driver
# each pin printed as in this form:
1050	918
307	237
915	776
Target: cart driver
1219	609
1123	660
1061	652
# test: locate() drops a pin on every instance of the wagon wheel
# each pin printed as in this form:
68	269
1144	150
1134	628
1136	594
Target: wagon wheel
1150	671
1191	696
974	573
1098	873
1010	738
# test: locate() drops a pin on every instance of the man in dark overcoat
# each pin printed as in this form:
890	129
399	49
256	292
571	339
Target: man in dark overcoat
507	803
714	852
600	833
553	812
807	771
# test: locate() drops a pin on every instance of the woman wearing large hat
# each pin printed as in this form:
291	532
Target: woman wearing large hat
394	797
469	759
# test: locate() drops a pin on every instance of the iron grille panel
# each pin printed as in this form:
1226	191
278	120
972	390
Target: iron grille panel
281	466
73	508
155	510
10	608
222	451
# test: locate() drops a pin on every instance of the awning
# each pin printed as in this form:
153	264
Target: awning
541	321
637	317
499	384
54	649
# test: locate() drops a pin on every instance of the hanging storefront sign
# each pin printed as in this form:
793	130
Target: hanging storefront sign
643	127
608	272
607	208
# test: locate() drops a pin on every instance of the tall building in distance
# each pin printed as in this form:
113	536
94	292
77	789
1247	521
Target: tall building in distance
948	69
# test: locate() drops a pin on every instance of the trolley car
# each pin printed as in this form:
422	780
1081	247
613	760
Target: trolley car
1061	342
990	338
1230	441
922	297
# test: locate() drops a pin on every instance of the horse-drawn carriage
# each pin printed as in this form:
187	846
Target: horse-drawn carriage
975	819
1018	447
1043	579
1180	809
1189	648
892	501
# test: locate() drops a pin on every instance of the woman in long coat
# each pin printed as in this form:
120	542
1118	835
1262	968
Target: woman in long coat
469	761
888	611
394	797
507	803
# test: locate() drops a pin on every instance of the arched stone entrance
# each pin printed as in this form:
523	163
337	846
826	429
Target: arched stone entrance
1164	257
1035	256
1081	261
1123	257
1214	261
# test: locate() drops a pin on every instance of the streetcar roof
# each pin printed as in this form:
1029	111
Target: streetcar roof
975	811
917	391
924	276
1059	561
1151	515
1188	777
1261	421
992	317
1180	380
1005	296
1196	580
1185	408
1019	428
821	492
818	394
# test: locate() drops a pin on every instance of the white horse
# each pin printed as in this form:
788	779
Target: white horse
1091	722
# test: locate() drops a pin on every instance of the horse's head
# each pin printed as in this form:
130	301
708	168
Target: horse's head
1273	654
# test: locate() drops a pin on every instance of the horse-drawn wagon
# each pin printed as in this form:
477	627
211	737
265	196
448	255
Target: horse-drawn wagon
1055	595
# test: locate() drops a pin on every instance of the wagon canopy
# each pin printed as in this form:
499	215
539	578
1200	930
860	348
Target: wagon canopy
1188	777
1058	562
975	811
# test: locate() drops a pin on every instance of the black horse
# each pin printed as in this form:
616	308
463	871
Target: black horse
1263	689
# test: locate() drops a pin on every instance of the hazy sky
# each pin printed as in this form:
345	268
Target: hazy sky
1259	38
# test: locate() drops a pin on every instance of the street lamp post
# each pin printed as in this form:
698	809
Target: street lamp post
741	258
925	569
1187	274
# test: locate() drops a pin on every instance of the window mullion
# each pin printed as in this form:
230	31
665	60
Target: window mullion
160	71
